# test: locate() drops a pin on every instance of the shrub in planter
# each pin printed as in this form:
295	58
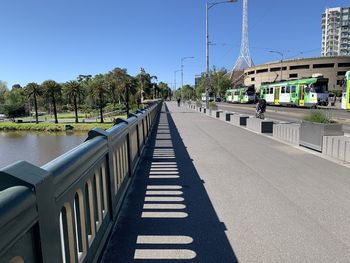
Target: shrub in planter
198	104
318	117
316	125
213	106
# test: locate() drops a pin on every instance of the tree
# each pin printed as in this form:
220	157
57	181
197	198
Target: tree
52	90
219	81
125	85
145	84
164	90
82	78
130	88
14	104
16	86
74	90
187	92
34	90
3	90
99	90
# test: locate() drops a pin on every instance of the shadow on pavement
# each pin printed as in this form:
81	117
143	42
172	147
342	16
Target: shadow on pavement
167	215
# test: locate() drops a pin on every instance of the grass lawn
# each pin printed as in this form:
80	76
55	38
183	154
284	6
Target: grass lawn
70	118
51	127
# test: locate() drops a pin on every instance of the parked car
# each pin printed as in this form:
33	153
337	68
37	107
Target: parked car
220	99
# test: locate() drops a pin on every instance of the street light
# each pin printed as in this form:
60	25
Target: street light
281	54
182	75
175	71
207	78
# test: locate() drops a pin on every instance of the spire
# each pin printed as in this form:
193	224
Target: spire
244	60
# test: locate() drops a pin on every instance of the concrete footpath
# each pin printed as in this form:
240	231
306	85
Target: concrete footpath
208	191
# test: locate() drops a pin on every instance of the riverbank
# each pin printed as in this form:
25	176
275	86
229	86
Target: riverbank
51	127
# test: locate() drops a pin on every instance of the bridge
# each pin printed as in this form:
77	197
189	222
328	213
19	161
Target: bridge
171	184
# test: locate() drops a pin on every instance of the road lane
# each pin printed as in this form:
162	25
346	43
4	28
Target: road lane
288	114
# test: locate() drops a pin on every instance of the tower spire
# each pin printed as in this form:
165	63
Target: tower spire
244	60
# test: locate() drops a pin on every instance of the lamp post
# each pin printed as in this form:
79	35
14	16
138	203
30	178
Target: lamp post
175	71
281	54
207	78
182	75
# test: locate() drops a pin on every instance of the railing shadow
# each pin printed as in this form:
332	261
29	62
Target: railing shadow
167	215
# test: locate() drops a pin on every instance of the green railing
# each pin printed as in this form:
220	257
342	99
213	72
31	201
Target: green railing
65	210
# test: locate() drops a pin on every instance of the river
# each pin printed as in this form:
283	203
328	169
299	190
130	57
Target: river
36	148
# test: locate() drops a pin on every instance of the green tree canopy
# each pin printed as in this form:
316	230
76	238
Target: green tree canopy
52	90
33	90
145	84
188	92
73	90
164	90
99	91
14	102
219	80
3	90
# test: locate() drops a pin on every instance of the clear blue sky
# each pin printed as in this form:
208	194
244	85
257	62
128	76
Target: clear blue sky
60	39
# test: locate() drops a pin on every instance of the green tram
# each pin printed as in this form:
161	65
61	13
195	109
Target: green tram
345	100
240	95
306	92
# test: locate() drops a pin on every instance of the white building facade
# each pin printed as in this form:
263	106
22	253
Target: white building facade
336	32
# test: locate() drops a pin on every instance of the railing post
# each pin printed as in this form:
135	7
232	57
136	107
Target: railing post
41	182
100	132
137	133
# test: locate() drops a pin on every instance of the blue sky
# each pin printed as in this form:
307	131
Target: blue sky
60	39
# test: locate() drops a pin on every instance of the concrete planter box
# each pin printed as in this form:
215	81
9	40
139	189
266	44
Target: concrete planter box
226	116
208	112
239	120
337	147
259	125
311	133
288	132
216	113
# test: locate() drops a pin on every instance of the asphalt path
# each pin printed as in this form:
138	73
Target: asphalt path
289	114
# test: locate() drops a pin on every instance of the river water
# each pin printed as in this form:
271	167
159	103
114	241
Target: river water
36	148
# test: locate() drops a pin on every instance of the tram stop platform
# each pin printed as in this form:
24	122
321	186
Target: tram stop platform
208	191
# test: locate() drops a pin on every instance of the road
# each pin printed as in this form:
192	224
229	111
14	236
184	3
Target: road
289	114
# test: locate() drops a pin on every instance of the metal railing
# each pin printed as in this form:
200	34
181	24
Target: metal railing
65	210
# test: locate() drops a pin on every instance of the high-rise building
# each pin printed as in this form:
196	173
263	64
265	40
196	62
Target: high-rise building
336	31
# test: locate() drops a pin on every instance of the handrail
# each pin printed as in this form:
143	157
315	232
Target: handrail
17	213
65	209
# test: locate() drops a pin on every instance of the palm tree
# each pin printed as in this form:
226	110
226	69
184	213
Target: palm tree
52	89
33	89
128	87
145	83
73	89
125	85
111	85
99	89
